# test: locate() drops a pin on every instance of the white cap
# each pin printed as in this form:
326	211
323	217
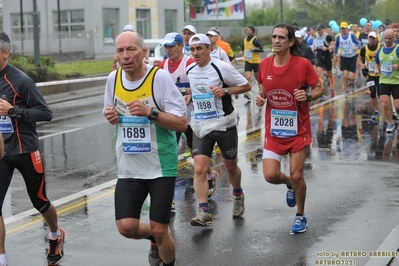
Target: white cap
128	28
199	38
213	33
299	34
372	34
172	38
190	28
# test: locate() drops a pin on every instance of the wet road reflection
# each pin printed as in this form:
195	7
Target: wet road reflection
350	155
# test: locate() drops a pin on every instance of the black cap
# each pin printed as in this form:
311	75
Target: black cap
319	27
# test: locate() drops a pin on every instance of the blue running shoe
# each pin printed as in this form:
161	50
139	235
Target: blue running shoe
375	115
300	225
390	129
290	197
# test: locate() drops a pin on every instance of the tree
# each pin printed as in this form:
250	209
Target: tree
387	9
322	11
262	17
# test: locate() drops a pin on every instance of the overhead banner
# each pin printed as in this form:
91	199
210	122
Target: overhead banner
213	10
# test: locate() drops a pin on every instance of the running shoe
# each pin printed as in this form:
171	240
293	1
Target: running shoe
183	136
238	205
153	256
300	225
375	115
55	252
332	92
367	91
395	116
290	197
391	128
187	154
173	206
347	94
247	96
236	96
212	185
352	87
202	219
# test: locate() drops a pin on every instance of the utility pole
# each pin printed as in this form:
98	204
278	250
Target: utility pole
217	13
59	24
21	12
36	37
281	12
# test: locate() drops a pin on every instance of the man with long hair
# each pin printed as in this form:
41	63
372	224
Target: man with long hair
282	79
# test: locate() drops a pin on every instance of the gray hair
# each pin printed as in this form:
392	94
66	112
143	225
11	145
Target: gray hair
139	39
5	43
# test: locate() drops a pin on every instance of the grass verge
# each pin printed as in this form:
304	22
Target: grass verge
85	68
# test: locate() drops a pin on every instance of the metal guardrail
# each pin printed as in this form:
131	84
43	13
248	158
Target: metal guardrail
63	86
71	81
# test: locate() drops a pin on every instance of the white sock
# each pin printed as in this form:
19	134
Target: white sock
210	175
55	235
3	260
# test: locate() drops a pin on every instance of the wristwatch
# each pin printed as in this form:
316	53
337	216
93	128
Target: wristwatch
153	114
183	91
308	97
15	112
226	91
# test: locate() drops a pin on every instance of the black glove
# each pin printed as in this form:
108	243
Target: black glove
365	72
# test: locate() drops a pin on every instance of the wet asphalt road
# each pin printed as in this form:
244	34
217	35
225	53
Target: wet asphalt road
352	197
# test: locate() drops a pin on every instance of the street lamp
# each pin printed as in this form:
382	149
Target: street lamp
36	40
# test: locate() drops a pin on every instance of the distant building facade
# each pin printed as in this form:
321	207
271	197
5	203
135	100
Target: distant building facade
87	26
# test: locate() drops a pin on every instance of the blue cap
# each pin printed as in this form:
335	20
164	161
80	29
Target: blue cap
172	38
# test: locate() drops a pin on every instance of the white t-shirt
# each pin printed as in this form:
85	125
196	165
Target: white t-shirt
220	54
210	112
169	99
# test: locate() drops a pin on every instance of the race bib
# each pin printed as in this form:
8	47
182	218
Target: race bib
346	50
204	106
248	54
386	68
284	123
319	43
135	134
371	67
365	42
6	124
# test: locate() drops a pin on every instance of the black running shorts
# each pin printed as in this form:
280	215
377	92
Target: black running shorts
130	194
226	140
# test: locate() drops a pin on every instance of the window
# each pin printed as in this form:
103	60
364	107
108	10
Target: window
170	20
72	24
27	27
110	27
143	22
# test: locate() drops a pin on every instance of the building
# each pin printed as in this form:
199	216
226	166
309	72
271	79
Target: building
86	27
